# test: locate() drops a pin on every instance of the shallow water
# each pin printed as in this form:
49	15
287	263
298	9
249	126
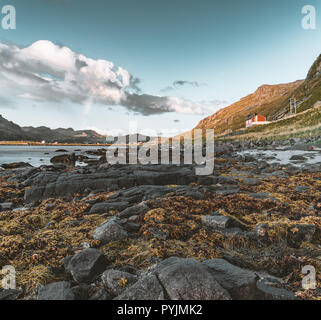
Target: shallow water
38	155
283	156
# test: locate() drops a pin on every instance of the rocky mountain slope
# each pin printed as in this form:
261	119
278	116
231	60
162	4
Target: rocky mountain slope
10	131
271	101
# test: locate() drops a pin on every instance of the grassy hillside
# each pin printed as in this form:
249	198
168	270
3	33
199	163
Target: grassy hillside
306	123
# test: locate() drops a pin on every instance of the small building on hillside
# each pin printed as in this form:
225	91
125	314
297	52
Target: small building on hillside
257	119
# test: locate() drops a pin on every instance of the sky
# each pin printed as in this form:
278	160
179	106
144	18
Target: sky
166	64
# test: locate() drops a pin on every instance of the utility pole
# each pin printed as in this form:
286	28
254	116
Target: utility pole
292	106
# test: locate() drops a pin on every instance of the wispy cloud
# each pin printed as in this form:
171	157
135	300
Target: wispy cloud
181	83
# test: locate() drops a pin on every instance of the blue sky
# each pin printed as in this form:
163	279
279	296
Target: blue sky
219	50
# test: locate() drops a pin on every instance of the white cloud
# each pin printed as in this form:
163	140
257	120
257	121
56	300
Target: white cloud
48	72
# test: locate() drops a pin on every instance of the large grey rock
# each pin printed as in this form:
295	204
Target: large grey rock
56	291
137	210
112	281
105	207
251	181
9	294
45	185
187	279
226	180
85	265
110	230
22	174
240	283
227	192
147	288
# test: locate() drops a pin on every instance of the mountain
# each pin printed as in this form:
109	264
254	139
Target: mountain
10	131
272	101
265	100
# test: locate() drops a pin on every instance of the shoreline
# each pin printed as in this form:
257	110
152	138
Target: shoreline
28	143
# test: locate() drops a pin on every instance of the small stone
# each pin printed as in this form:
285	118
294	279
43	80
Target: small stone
259	195
301	188
6	206
297	157
219	221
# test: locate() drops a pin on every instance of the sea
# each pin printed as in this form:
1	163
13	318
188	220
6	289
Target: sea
39	155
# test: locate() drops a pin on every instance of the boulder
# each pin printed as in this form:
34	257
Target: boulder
188	279
110	230
56	291
85	265
69	159
15	165
297	158
240	283
137	210
271	289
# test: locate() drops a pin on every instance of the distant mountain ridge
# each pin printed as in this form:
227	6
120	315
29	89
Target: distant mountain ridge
10	131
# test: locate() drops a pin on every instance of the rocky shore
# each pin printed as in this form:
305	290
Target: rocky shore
133	232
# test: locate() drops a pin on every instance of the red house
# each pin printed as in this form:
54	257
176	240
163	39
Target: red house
255	120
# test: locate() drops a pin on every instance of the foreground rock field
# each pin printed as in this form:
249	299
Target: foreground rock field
102	232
